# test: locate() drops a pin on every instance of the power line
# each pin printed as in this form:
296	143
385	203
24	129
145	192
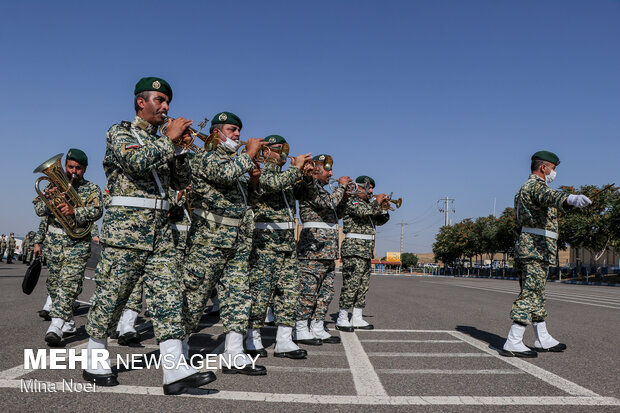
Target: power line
446	209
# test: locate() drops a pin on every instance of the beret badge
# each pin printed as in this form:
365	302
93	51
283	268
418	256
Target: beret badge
222	117
156	84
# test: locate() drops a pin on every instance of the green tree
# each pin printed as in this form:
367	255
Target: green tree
506	235
408	260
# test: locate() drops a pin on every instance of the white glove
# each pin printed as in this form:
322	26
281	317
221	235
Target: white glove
578	201
180	151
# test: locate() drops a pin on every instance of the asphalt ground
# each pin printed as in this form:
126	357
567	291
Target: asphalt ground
433	349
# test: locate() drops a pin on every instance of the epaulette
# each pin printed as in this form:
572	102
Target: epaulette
126	125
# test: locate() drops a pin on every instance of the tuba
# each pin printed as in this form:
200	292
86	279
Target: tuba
211	141
64	194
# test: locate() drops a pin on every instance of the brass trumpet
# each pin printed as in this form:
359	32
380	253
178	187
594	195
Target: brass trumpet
387	201
64	194
210	141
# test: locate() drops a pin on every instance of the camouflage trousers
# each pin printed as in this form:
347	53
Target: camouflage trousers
530	305
9	254
66	267
274	274
317	288
118	272
355	282
207	266
2	253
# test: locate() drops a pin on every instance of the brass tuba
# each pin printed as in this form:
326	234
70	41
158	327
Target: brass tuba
64	194
211	141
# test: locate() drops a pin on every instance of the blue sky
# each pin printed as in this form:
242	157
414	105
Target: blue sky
430	98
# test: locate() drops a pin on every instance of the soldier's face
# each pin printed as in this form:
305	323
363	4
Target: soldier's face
230	131
72	167
322	176
153	108
365	194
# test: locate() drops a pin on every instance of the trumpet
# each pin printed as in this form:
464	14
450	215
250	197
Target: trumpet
387	201
283	151
210	141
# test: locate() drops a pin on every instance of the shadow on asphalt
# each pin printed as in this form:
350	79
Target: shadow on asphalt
493	340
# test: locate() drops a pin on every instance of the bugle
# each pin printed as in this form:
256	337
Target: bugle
210	141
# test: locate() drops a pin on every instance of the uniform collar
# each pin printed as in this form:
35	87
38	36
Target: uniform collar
144	125
534	176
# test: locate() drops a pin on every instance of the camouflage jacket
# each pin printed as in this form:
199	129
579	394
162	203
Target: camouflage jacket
361	217
537	206
90	194
3	243
320	243
129	166
11	243
274	201
219	186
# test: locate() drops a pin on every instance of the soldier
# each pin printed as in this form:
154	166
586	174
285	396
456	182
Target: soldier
10	248
137	240
273	263
361	215
30	252
317	251
537	207
25	247
220	237
2	247
67	256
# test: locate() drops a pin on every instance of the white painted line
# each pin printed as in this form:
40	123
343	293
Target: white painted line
440	371
365	378
19	371
411	341
544	375
308	369
324	399
395	354
379	330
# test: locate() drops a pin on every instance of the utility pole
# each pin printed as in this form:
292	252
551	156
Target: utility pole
402	235
446	209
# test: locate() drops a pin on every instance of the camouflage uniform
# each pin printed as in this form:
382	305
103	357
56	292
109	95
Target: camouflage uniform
67	256
30	252
317	251
10	249
537	207
359	218
137	240
25	243
273	264
2	247
219	239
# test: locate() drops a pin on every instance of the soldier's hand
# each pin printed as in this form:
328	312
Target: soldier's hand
50	192
66	209
578	201
96	239
253	147
177	128
300	160
381	198
344	180
37	250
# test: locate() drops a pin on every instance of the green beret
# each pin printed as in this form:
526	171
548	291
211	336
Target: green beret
274	140
227	118
326	160
547	156
363	178
320	158
77	156
153	83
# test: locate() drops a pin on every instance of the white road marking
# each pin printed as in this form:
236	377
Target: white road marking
395	354
355	400
365	378
544	375
19	371
411	341
308	369
379	330
440	371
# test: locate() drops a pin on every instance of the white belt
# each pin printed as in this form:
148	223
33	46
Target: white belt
322	225
180	227
56	231
218	219
132	201
275	225
360	236
540	231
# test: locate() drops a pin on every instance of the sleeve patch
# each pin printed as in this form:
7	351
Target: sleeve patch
131	146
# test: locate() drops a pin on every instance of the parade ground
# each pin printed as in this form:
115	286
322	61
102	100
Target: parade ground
434	348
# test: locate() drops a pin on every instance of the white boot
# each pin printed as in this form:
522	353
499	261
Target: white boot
253	339
343	323
318	331
127	322
269	319
185	344
48	304
358	322
301	331
100	368
514	343
173	369
53	336
69	327
285	346
233	350
544	341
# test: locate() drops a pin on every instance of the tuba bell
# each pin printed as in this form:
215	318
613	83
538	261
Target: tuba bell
64	194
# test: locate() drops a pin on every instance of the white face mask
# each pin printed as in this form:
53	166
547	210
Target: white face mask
549	178
230	144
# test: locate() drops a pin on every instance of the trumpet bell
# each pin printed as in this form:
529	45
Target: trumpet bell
397	203
328	163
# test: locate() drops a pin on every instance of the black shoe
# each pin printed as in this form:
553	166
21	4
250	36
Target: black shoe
105	380
368	327
44	314
261	352
332	340
270	323
76	305
295	354
247	370
129	338
52	339
343	328
558	348
215	313
522	354
310	342
114	335
190	382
